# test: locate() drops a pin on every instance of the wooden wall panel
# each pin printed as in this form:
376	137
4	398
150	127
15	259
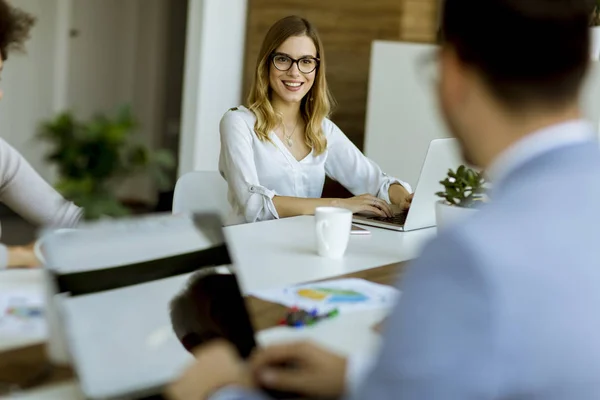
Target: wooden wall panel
347	28
419	21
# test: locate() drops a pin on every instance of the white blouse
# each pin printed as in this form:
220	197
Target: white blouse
256	170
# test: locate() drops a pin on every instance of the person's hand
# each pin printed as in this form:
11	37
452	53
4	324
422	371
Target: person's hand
22	257
368	204
217	365
400	197
301	368
408	201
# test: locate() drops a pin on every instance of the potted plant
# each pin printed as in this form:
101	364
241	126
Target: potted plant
94	157
464	189
595	31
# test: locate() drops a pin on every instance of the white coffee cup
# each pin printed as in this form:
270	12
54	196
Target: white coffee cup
333	227
39	243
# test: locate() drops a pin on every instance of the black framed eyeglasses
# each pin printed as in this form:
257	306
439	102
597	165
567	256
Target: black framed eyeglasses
283	62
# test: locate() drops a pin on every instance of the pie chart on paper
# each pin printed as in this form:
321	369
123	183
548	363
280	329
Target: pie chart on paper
346	294
331	295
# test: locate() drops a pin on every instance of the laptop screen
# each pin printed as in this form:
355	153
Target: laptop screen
131	328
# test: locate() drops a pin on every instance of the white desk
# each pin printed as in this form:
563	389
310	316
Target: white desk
283	252
271	254
25	280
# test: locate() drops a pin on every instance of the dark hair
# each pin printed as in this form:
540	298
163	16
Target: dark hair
192	312
529	52
209	307
15	26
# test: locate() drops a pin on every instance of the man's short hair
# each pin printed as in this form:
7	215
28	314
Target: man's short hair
191	311
211	306
529	52
15	27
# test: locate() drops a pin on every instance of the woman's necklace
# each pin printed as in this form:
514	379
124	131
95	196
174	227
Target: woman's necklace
288	139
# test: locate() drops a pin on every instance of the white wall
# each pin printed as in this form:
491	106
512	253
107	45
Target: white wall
591	95
402	113
116	57
100	55
29	85
213	78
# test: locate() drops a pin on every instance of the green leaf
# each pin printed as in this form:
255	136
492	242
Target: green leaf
164	158
463	186
92	156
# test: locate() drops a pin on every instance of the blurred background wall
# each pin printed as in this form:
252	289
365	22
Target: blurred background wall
181	64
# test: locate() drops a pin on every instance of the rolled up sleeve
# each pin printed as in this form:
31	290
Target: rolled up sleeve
384	187
259	205
236	163
356	172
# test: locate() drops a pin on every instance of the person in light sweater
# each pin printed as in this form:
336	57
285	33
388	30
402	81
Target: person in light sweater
276	153
22	189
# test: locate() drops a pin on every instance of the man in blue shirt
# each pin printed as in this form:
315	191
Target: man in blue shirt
503	305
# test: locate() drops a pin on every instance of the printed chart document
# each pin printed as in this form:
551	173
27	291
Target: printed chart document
21	314
345	295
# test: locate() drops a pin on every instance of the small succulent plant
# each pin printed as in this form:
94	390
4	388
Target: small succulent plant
463	187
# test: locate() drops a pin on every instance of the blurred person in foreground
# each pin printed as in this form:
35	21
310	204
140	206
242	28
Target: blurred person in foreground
503	304
22	189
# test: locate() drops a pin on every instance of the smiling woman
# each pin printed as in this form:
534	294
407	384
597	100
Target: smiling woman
277	151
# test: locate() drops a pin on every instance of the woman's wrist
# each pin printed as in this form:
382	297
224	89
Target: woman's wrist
337	203
21	256
294	206
327	202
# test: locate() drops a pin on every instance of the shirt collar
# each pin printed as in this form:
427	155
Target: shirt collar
538	143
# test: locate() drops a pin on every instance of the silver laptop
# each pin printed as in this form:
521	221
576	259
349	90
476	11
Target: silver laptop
442	154
111	287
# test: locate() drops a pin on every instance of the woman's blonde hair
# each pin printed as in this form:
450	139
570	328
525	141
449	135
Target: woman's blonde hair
318	102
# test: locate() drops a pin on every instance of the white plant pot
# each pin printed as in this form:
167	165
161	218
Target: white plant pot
595	43
446	215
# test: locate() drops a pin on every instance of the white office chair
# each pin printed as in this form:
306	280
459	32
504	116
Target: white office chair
204	191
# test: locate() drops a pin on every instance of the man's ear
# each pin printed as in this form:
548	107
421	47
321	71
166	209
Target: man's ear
453	75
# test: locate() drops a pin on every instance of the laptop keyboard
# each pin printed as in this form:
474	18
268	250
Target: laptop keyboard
398	219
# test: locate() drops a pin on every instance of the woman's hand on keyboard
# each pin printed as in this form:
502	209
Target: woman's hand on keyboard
367	204
400	197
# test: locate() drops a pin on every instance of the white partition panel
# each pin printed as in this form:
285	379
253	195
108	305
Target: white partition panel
591	95
402	114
